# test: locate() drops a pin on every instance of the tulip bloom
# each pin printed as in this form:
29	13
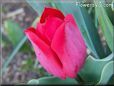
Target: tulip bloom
58	43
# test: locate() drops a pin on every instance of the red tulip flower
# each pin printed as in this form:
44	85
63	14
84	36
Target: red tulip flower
58	43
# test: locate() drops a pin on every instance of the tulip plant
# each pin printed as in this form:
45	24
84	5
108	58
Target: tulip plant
64	35
66	38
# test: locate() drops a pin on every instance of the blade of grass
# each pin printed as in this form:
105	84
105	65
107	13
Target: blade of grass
106	25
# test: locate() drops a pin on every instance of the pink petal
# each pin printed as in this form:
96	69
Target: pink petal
40	30
70	18
68	44
51	12
45	55
50	27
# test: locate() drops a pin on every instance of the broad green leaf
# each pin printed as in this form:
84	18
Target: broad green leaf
107	72
38	5
94	68
14	31
86	26
106	25
52	81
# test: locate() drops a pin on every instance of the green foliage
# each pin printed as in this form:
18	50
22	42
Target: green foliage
95	69
14	31
110	13
31	64
107	72
27	65
53	81
26	48
112	6
16	49
106	25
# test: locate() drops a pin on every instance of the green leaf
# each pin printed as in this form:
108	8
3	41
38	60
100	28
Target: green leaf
38	6
33	82
106	25
107	72
86	26
14	31
93	69
52	81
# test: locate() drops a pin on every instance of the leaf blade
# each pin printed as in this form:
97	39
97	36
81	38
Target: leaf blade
52	81
106	25
92	70
14	31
